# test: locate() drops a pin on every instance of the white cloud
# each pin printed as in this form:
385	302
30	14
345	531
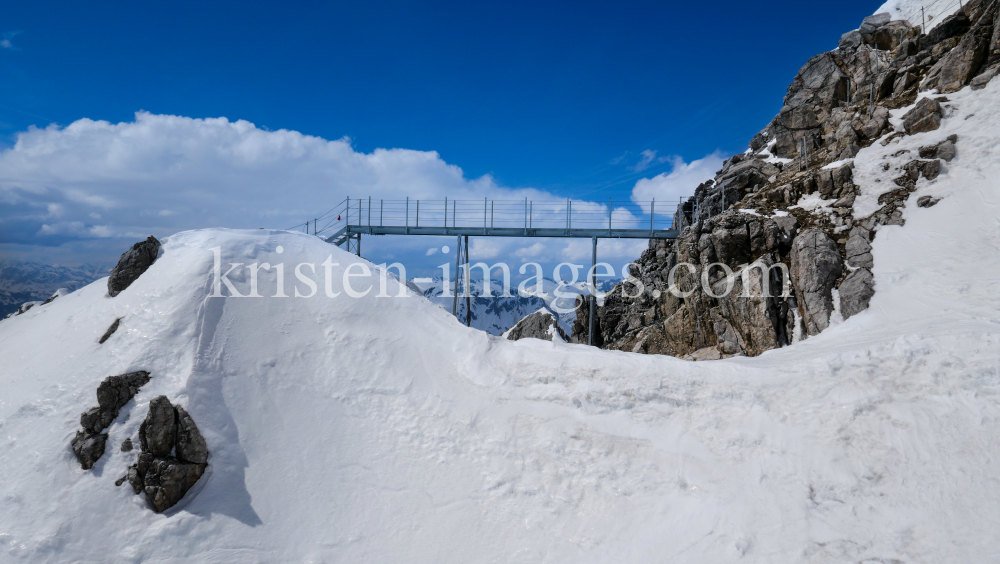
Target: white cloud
5	43
534	250
680	182
647	159
164	173
581	250
95	181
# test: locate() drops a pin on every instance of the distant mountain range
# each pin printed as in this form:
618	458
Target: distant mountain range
495	314
22	282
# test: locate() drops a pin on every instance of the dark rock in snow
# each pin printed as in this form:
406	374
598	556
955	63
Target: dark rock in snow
90	420
158	432
25	307
931	169
89	448
115	391
925	116
944	150
174	455
127	445
191	445
927	201
112	394
541	324
111	330
165	480
132	264
52	298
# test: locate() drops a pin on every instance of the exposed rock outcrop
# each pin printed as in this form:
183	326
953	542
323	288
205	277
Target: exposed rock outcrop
964	61
111	331
927	201
925	116
750	214
173	456
112	394
541	324
856	291
816	266
132	264
88	448
28	305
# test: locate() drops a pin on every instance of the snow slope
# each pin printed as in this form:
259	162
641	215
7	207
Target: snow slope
382	430
934	11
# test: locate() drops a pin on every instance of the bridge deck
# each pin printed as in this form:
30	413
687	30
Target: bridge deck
505	232
495	218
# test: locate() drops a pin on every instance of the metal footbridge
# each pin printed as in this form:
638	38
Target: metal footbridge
352	218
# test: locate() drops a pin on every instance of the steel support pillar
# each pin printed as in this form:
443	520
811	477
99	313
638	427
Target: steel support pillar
468	291
593	295
458	269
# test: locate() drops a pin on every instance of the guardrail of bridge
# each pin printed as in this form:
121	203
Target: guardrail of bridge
486	213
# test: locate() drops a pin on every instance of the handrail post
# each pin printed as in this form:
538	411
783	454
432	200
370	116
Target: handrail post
526	216
485	206
418	213
446	213
407	214
381	211
369	211
347	212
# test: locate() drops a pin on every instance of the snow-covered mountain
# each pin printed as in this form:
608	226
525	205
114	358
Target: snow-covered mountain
496	314
22	281
376	429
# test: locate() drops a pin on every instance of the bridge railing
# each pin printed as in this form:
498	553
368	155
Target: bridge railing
487	213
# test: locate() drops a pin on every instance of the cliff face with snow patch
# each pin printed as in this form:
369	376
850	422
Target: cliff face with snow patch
863	127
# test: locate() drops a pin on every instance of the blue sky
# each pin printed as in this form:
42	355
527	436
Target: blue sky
566	99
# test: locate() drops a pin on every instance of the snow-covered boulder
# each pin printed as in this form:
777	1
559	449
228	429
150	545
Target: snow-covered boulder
542	324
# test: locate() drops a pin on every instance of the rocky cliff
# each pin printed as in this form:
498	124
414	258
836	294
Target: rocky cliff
773	248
